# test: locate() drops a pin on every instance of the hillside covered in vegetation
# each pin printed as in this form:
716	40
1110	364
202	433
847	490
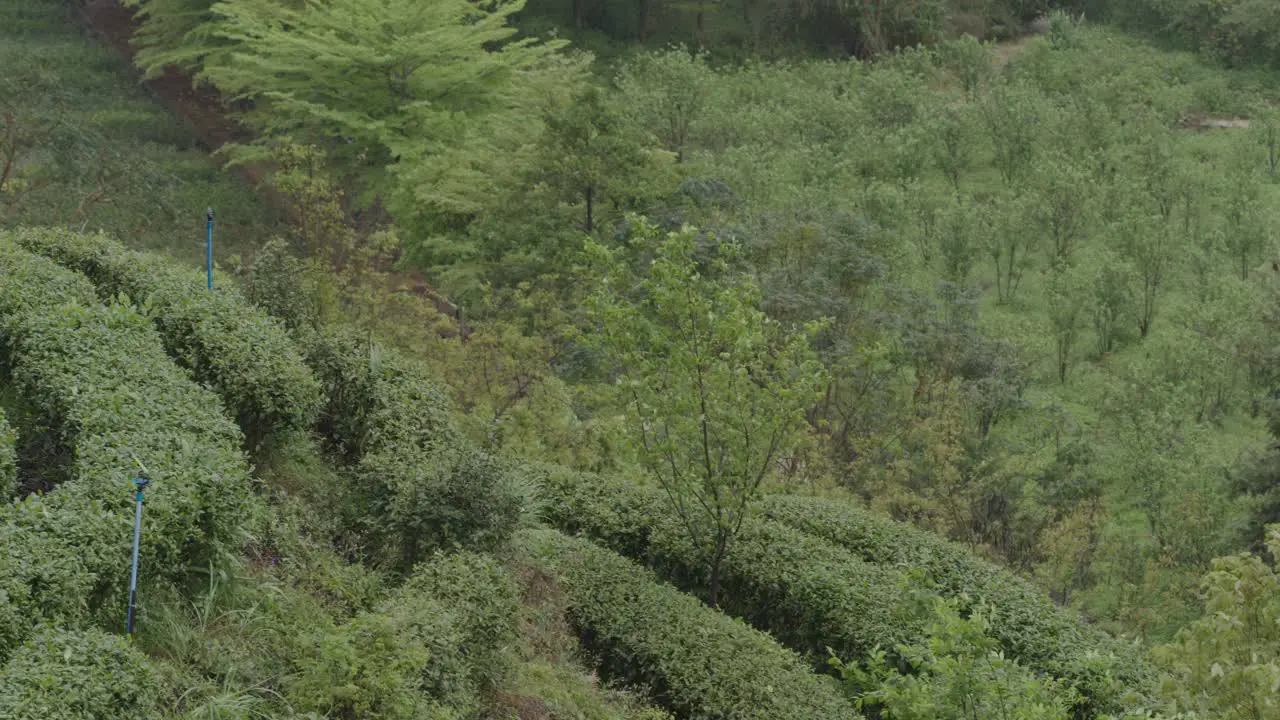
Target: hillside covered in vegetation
640	360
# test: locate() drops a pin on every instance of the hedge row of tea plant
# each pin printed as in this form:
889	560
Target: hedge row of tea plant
812	592
8	459
432	649
1031	627
808	593
52	560
697	662
69	675
96	383
425	485
228	343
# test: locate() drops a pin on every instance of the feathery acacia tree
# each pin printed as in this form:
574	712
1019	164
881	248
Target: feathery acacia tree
377	83
716	390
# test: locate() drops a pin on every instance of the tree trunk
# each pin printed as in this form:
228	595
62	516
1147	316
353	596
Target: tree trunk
642	19
717	559
713	586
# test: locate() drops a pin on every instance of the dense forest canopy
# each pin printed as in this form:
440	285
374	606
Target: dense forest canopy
1002	271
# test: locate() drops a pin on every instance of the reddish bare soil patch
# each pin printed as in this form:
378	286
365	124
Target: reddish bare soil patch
208	119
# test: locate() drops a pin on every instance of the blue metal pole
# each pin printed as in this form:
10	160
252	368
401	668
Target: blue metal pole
142	483
208	245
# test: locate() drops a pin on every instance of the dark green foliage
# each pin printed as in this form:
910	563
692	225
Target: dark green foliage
696	661
67	675
424	485
100	382
96	383
483	601
833	580
225	341
276	284
1026	622
53	561
377	665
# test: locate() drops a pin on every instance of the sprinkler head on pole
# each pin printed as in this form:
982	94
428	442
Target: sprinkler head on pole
142	481
208	214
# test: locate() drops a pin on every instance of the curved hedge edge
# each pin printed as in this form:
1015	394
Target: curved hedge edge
696	661
112	399
60	674
1031	626
118	404
806	592
227	342
8	458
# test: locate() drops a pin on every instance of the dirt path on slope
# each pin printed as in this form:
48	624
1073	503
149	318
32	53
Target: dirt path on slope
199	108
206	117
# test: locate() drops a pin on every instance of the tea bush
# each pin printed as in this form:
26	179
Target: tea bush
431	650
97	384
1027	623
68	675
697	662
806	592
425	485
226	342
812	591
53	561
484	600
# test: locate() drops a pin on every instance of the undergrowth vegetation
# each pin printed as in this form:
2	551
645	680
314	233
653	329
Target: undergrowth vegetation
897	387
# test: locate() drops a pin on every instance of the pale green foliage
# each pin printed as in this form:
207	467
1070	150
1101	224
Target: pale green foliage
957	672
173	32
1062	194
971	61
1011	114
378	83
666	91
1265	127
716	390
1227	664
954	130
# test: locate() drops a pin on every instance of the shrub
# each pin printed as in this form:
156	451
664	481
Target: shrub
1027	623
97	379
424	484
52	562
374	666
813	588
431	650
696	661
484	598
63	675
226	342
376	398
